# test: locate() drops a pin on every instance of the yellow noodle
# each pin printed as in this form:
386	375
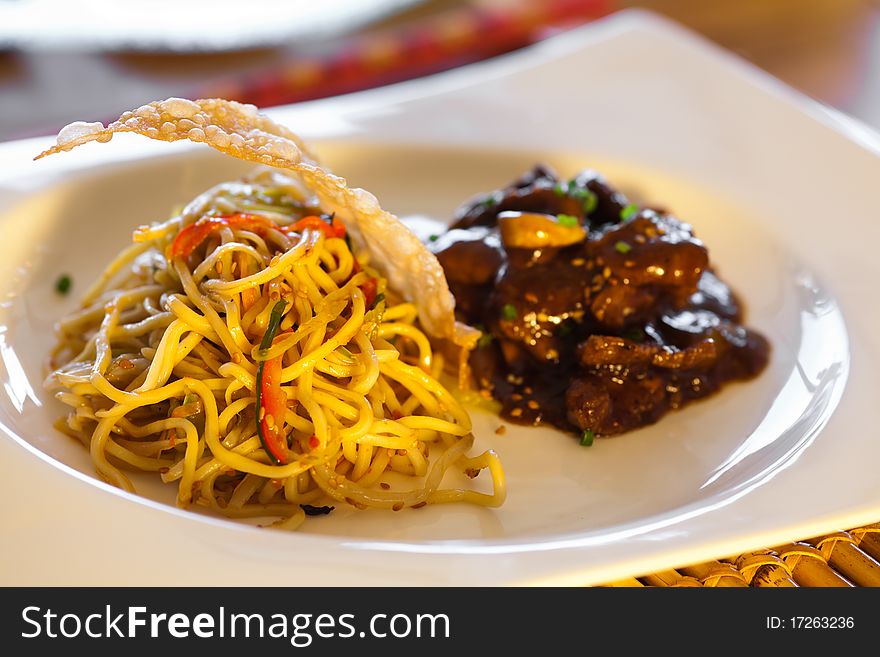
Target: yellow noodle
167	366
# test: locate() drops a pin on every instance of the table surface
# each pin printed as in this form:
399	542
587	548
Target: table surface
828	49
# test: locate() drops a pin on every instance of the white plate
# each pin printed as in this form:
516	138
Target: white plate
202	25
781	189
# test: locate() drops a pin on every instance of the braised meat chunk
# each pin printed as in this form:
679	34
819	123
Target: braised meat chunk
598	316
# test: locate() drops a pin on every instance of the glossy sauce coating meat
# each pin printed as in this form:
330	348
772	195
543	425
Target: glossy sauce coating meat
612	317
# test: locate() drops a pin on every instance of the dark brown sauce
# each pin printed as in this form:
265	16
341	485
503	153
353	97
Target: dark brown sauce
602	336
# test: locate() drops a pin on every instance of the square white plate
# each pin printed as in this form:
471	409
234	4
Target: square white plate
780	189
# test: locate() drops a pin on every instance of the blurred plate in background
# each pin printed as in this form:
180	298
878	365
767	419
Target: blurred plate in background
200	25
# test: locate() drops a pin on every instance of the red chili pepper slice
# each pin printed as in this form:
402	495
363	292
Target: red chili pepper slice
273	405
332	229
191	237
271	399
370	287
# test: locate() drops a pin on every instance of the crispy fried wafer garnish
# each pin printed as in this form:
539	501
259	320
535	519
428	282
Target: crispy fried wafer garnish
232	128
241	131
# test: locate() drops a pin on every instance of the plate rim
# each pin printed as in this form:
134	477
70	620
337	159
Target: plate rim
628	21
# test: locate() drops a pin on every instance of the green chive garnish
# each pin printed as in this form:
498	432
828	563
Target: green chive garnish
63	284
587	438
485	340
622	247
433	238
629	212
508	312
590	202
275	318
559	189
566	220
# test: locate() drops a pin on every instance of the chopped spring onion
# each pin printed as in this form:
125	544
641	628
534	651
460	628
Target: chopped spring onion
63	284
590	203
485	340
629	212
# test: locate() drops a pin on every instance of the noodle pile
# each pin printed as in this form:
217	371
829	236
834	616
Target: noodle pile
254	349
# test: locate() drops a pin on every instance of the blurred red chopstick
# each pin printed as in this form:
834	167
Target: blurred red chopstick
437	43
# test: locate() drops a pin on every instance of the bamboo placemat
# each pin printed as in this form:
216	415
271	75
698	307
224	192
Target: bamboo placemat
845	558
